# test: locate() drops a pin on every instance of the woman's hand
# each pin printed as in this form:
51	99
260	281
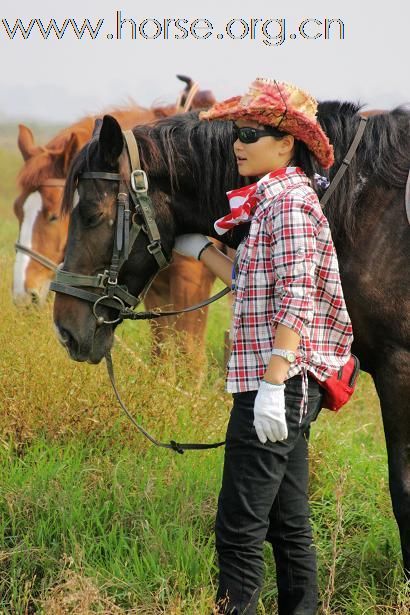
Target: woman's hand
191	244
200	247
269	413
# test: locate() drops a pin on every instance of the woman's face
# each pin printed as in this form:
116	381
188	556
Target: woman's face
266	155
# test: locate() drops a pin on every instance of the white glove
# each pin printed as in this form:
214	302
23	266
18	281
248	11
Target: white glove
269	413
191	244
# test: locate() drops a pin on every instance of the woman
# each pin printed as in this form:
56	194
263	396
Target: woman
291	330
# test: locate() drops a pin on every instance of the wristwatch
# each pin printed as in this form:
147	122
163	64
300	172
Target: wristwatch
289	355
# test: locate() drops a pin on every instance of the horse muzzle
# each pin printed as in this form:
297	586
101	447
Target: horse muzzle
79	332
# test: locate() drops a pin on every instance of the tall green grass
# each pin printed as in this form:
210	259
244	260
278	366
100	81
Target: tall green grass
93	519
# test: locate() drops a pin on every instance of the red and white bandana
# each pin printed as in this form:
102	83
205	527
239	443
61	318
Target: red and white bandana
243	201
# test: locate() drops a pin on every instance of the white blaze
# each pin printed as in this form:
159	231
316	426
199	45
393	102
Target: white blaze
31	209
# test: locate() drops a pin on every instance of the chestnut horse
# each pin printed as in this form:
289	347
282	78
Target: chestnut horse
191	162
43	230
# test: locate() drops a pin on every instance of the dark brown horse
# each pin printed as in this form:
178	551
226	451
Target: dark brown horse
187	162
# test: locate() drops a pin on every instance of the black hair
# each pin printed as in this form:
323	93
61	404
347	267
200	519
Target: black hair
302	156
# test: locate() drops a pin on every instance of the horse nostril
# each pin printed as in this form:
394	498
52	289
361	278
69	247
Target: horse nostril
65	336
35	297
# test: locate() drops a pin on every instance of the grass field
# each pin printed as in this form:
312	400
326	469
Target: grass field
95	520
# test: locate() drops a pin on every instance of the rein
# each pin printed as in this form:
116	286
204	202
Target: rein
173	445
115	295
36	256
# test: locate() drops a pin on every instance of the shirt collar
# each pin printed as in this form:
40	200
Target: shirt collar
275	182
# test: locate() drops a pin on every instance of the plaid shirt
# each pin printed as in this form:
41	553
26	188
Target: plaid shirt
287	273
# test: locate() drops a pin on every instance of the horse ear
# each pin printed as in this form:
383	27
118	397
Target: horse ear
97	127
110	140
72	146
25	142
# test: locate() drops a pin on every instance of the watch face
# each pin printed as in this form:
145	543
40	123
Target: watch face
291	357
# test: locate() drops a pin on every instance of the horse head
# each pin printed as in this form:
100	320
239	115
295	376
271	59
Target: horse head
42	233
93	186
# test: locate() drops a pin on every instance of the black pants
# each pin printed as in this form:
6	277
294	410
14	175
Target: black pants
264	497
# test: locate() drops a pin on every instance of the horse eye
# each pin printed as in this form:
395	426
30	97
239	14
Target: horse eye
93	219
52	218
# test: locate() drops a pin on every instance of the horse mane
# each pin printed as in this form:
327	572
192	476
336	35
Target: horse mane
382	158
182	151
191	152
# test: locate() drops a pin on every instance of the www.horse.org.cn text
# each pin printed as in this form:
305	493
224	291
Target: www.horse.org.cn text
272	32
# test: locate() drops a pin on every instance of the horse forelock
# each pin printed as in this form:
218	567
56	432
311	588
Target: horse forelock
80	164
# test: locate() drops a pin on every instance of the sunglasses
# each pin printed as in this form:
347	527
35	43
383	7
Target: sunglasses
250	135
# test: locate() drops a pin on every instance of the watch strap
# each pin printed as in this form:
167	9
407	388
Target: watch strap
281	352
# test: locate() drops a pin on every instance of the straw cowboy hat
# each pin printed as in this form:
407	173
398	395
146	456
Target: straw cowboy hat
283	106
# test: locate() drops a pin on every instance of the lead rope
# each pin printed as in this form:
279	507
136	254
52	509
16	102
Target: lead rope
177	447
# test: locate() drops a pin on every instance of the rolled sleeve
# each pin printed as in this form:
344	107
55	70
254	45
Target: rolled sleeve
294	230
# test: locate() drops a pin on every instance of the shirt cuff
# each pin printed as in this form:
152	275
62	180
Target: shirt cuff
289	320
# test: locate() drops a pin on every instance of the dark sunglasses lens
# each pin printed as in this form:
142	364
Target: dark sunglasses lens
245	135
248	135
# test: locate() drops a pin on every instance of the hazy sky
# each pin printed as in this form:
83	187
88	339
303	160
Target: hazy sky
61	80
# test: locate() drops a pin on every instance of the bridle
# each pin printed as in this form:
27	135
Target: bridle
52	182
103	288
127	229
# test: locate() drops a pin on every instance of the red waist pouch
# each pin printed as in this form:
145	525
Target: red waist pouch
339	388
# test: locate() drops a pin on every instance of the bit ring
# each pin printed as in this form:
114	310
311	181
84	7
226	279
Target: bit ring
100	319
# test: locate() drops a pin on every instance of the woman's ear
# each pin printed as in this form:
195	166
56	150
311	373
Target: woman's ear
288	143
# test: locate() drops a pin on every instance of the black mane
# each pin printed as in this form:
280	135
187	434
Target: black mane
193	155
197	157
189	154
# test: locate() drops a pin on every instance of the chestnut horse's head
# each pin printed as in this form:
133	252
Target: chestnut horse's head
37	208
96	185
